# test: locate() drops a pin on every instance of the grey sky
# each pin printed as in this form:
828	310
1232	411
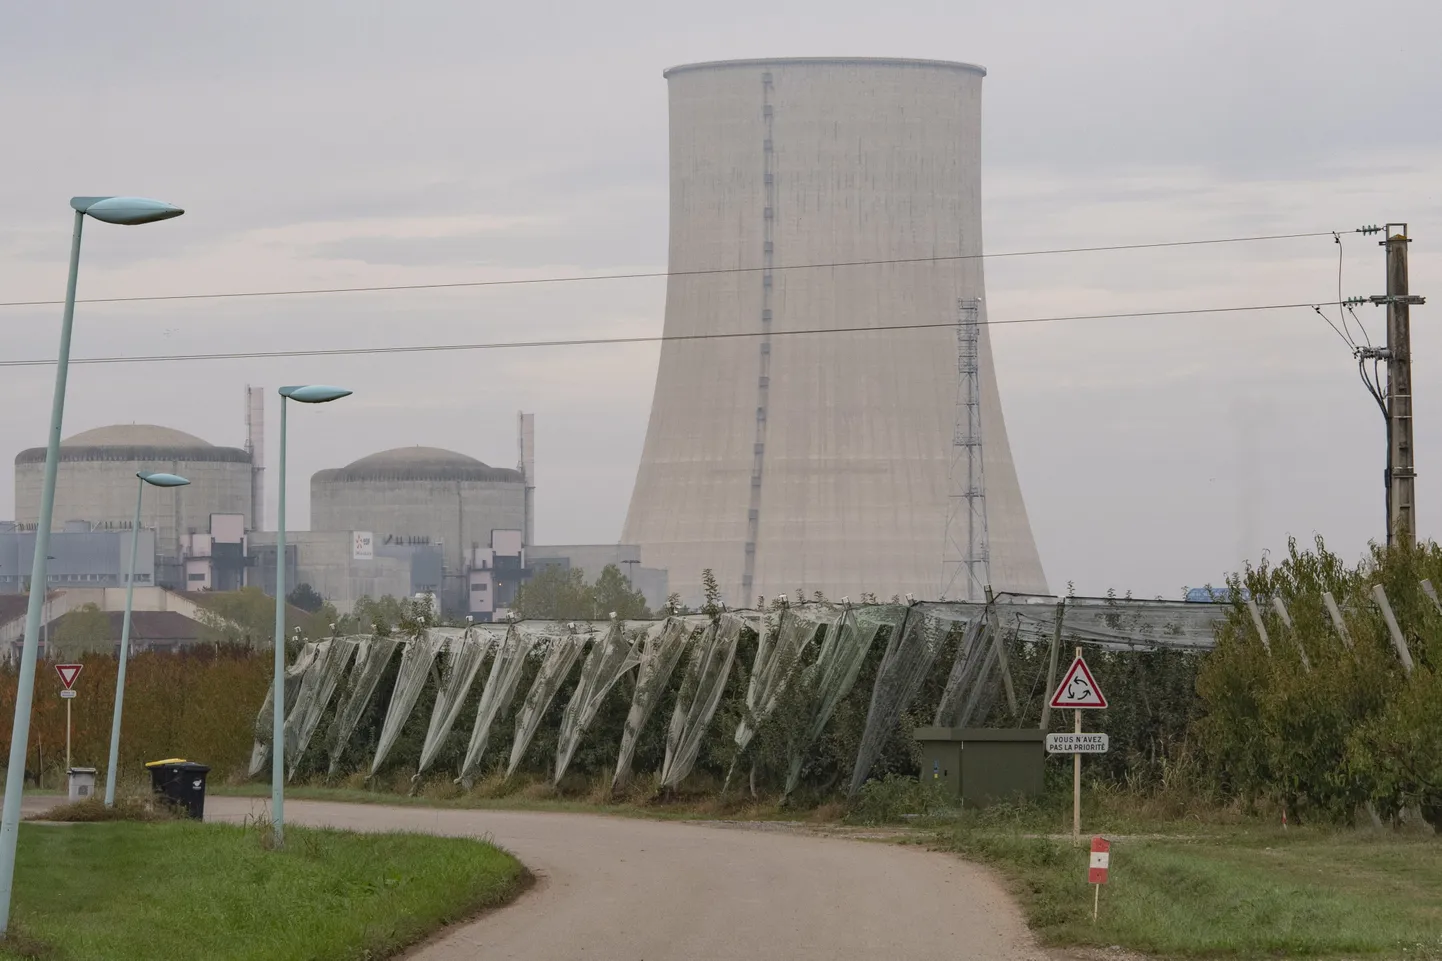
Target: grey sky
343	144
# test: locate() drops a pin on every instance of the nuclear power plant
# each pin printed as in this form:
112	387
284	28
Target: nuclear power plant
817	194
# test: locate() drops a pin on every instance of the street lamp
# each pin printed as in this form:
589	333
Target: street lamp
309	394
128	211
154	480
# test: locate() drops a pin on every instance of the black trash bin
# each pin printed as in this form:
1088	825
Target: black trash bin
181	783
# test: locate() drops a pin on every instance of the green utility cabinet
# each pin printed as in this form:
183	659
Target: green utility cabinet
979	766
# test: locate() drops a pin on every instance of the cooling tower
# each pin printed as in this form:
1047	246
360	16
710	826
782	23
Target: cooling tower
782	460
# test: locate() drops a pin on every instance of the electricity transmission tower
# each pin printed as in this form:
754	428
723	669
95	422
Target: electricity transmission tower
966	561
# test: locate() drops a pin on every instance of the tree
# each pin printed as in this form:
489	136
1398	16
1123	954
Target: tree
612	592
85	630
558	593
377	615
246	616
306	598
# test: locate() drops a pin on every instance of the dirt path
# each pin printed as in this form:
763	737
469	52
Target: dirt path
617	889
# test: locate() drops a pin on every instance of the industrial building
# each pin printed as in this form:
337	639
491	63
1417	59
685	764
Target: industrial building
402	522
844	463
80	557
422	500
96	486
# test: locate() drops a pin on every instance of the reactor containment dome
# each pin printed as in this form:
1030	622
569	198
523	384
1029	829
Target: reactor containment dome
420	495
96	482
817	194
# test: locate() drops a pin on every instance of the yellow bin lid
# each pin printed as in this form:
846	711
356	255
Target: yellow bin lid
169	760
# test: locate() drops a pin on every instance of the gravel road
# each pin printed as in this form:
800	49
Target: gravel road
621	889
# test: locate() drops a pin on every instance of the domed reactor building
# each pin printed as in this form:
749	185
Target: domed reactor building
425	497
96	485
814	194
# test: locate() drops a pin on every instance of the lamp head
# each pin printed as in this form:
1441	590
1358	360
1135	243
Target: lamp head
314	393
128	211
158	479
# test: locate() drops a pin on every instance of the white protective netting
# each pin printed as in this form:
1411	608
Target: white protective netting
834	673
505	676
966	673
1117	624
777	658
465	652
447	663
317	688
908	657
562	646
660	653
416	660
264	721
372	656
700	693
608	660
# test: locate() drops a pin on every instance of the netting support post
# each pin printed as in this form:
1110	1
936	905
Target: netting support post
1000	647
1052	666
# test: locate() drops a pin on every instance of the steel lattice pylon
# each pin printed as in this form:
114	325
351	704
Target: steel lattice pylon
965	565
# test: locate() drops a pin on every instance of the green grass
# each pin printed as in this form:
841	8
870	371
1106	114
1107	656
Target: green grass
182	889
1243	891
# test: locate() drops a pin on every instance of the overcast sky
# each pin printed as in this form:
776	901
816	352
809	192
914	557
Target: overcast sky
341	144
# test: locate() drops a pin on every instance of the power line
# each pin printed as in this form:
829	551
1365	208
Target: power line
582	278
653	339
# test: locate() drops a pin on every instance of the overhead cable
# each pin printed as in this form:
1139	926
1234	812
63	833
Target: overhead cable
644	275
651	339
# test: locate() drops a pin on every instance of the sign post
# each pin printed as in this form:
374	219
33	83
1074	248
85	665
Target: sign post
68	673
1079	691
1097	870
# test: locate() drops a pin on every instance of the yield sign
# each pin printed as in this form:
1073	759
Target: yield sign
1078	689
68	673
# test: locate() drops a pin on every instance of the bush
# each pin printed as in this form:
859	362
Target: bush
200	704
892	798
93	809
1313	725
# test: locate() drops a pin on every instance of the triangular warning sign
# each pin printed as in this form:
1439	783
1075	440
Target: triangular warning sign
1078	689
68	673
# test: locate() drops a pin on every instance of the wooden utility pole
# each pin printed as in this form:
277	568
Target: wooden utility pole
1401	475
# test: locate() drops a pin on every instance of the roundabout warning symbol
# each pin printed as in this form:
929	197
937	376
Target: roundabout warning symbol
1078	689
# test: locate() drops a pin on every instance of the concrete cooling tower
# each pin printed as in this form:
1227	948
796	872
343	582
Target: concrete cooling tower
828	462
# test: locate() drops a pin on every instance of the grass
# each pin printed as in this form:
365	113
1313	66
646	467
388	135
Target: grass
1220	888
126	808
183	889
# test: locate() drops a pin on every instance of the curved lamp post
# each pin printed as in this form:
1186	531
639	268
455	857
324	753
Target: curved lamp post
127	211
154	480
309	394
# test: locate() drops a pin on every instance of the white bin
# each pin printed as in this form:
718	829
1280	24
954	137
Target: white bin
82	783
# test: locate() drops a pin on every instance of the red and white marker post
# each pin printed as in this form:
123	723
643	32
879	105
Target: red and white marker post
1097	870
68	673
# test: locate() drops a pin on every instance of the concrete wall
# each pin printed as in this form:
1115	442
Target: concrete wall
324	561
457	513
103	493
840	442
